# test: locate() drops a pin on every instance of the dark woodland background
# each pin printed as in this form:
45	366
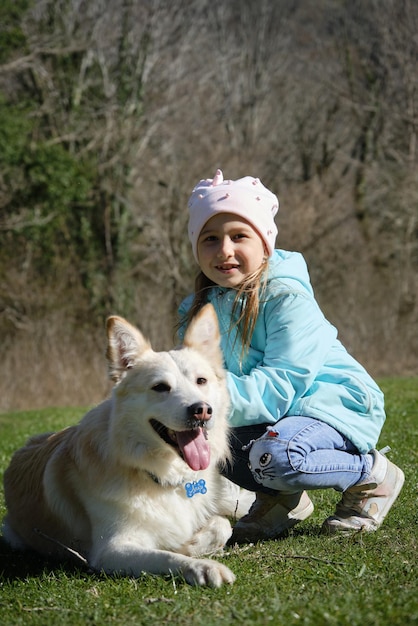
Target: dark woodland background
111	111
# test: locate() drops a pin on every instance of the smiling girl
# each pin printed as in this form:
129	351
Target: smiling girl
305	415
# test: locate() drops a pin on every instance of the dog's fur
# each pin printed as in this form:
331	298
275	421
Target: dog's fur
112	489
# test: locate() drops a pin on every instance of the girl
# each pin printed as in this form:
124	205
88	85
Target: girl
305	415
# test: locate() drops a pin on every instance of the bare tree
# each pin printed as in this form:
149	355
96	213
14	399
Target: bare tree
121	107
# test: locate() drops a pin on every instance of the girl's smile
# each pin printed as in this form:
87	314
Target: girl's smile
229	249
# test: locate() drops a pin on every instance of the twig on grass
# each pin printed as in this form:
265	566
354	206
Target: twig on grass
35	609
310	558
74	553
249	546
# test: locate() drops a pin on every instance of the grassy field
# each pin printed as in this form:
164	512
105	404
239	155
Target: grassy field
306	578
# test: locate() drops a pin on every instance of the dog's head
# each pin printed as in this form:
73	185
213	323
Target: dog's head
169	408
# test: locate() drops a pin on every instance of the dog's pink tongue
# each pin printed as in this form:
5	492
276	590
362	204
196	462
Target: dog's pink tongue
195	448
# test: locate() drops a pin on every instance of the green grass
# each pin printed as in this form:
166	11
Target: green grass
363	580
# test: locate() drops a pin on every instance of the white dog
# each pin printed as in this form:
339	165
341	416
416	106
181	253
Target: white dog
135	486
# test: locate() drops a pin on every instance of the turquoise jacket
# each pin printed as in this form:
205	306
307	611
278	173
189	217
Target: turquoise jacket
295	365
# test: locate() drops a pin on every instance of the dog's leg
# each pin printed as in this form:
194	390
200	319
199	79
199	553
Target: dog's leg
127	559
211	538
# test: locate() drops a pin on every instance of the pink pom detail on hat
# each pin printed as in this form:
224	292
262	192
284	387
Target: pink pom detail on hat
246	197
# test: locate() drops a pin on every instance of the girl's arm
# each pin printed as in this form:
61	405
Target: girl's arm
297	343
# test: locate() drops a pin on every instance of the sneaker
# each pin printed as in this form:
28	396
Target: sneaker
364	506
270	516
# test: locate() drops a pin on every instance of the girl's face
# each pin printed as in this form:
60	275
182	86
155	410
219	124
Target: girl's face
229	249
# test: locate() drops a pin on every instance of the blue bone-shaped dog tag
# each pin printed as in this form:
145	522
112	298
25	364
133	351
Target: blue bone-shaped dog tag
195	487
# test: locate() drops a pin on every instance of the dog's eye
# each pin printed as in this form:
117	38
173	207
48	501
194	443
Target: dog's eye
161	387
201	381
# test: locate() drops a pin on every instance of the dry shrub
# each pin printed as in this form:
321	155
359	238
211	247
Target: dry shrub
51	354
52	364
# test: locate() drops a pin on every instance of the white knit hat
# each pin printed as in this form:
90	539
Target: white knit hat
246	197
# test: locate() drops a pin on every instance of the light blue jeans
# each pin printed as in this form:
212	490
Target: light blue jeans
296	454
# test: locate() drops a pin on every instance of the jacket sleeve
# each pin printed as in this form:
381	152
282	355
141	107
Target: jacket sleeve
298	338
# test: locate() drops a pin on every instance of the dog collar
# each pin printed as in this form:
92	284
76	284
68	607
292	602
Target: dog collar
191	487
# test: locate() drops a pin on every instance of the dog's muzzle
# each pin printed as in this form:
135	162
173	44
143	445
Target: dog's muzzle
199	414
191	441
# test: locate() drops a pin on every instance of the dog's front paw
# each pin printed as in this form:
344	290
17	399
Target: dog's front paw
205	572
209	539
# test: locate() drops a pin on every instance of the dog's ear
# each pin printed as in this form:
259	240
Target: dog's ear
203	334
124	345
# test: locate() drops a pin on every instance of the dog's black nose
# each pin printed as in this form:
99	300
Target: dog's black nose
199	411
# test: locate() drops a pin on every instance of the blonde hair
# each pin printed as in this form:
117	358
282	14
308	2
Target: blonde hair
246	303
